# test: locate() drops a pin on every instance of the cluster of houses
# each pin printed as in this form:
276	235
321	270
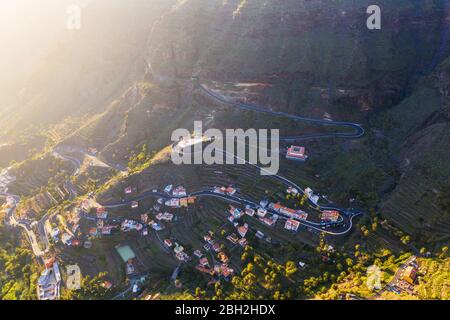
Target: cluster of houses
308	192
260	212
178	192
291	224
292	191
128	225
49	281
178	250
225	190
73	220
101	228
141	227
242	231
291	213
5	179
180	202
180	254
269	213
72	235
166	216
220	269
179	199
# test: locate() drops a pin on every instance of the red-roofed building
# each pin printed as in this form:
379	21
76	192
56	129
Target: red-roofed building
296	153
179	192
235	212
107	285
268	221
223	257
291	224
168	243
102	213
230	191
242	230
295	214
205	270
93	231
76	243
191	200
243	242
204	261
330	215
101	209
49	263
227	272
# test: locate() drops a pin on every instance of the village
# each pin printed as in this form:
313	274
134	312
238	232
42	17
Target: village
90	221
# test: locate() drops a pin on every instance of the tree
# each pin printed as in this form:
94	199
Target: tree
405	239
444	251
349	262
290	268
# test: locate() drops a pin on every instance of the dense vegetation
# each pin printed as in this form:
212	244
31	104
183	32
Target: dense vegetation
91	288
18	270
338	276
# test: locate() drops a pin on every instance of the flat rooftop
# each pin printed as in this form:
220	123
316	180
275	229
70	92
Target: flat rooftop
125	252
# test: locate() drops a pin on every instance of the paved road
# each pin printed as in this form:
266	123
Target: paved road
348	216
357	131
12	221
27	225
60	150
398	275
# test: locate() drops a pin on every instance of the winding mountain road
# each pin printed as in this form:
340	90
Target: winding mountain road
347	215
357	130
27	225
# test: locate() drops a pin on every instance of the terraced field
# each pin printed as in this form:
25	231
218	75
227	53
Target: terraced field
435	284
33	174
423	213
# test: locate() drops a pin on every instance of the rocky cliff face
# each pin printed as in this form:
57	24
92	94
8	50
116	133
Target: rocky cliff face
319	55
297	45
84	69
305	57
